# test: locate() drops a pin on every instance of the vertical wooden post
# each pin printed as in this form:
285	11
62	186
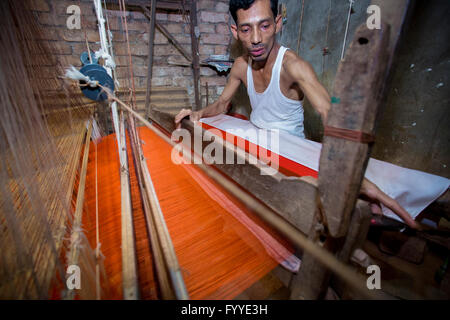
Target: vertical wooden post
195	54
151	43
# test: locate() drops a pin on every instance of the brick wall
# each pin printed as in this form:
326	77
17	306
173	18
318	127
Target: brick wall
215	38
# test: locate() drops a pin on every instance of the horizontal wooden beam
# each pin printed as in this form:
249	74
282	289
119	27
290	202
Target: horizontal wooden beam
164	5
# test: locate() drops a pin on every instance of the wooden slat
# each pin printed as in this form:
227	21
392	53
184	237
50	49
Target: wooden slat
74	253
357	95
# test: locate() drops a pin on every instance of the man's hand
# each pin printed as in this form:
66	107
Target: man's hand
193	116
376	196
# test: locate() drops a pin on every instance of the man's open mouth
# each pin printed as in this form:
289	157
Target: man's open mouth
257	52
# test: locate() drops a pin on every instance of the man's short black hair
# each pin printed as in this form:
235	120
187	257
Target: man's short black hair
235	5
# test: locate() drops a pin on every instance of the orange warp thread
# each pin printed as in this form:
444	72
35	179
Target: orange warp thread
218	256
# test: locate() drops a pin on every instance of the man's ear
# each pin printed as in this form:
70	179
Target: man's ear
278	23
234	31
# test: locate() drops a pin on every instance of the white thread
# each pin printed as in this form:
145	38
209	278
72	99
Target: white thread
351	2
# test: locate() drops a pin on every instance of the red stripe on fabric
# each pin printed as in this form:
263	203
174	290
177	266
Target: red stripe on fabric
237	115
286	166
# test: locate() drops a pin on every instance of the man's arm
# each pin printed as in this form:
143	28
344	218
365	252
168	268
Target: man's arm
303	74
221	105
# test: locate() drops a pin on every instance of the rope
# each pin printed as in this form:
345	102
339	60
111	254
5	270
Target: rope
351	135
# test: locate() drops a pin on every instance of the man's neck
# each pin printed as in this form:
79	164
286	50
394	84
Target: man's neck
260	65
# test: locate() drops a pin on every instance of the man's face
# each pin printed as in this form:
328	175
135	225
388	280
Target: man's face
256	29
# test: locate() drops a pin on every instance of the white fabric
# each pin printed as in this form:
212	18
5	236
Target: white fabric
414	190
271	109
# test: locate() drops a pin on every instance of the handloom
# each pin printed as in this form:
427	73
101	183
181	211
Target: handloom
140	226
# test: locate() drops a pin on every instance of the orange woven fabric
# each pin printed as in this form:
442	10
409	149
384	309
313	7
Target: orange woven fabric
218	256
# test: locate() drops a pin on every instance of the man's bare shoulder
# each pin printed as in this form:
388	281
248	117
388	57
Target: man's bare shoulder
240	65
295	66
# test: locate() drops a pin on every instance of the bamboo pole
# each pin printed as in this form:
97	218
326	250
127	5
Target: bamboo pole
129	260
166	242
165	287
76	227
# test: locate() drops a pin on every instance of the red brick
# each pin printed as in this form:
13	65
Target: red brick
182	82
165	50
115	24
188	72
205	71
214	17
136	50
123	61
39	5
137	25
207	28
62	47
160	16
163	81
222	7
115	13
213	81
78	35
206	49
223	29
205	4
221	50
138	15
175	17
78	48
183	39
140	71
215	39
50	19
49	34
174	28
118	36
66	61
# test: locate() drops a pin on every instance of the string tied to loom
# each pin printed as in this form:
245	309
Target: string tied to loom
109	61
74	74
351	135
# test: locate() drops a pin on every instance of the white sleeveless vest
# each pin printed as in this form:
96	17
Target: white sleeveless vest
271	109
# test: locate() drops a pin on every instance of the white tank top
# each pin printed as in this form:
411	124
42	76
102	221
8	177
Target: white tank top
271	109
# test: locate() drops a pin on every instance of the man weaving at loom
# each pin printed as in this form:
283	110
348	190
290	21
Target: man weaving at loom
277	81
